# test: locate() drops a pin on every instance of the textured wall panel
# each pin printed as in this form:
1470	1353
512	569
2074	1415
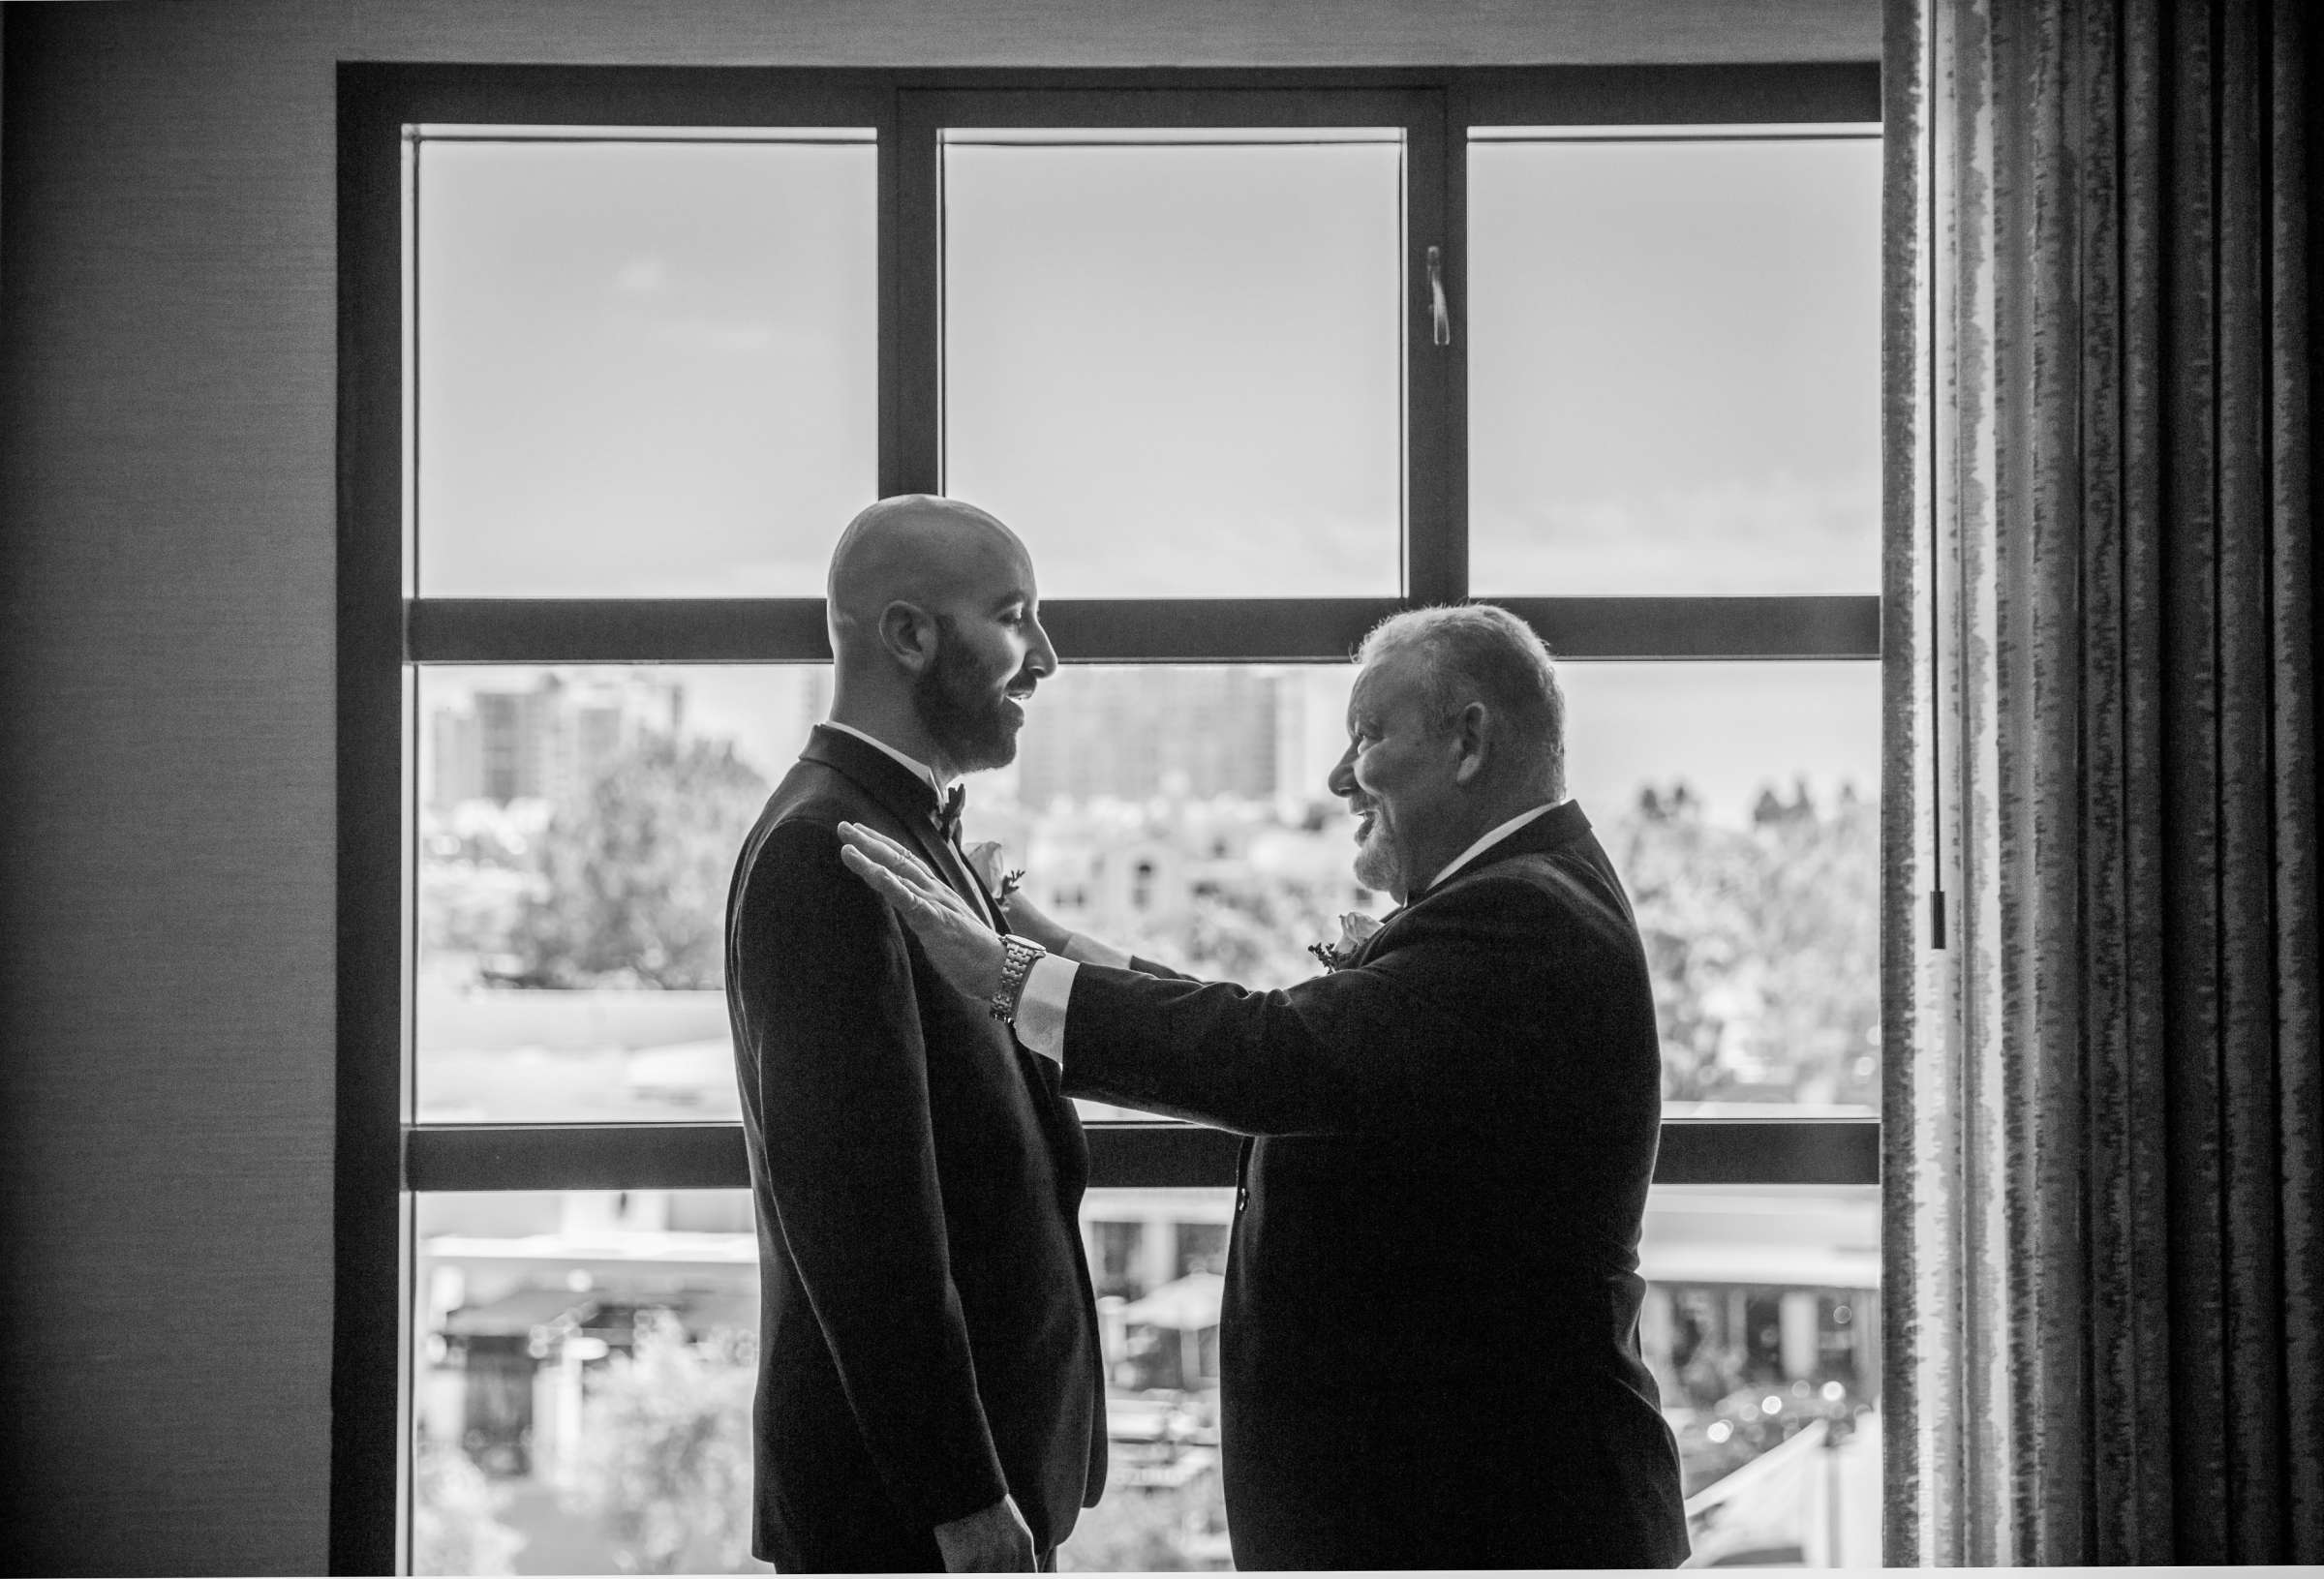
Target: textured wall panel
166	788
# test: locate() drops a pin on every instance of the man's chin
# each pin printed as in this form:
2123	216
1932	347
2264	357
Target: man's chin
996	750
1378	869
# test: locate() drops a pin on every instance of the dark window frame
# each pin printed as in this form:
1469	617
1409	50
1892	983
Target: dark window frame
383	1158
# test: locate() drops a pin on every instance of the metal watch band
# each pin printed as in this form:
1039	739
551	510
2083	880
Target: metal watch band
1016	964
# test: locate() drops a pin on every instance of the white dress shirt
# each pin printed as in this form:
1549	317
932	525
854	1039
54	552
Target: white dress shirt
1489	840
1048	985
919	768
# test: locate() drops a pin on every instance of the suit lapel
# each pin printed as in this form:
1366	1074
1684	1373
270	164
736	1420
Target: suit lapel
975	892
945	858
1363	949
911	801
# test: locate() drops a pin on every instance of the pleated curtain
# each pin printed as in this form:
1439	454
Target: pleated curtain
2104	1141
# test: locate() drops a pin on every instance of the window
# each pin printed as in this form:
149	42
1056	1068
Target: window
1251	359
582	1366
1707	312
1195	338
689	359
1202	1248
1115	1259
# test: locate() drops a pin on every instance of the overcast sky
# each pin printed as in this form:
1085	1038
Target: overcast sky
648	370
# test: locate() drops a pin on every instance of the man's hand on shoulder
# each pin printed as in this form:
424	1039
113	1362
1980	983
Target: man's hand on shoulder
992	1540
965	950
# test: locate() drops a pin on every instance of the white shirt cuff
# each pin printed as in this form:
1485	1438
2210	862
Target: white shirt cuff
1091	952
1041	1006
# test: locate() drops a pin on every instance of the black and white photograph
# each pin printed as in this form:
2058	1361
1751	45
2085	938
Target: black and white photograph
894	786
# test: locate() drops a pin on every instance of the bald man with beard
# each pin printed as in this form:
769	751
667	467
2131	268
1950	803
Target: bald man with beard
930	1393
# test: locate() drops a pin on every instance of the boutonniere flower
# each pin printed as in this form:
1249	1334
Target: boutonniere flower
985	860
1355	929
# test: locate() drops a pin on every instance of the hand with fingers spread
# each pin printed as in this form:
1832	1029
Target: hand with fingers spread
965	952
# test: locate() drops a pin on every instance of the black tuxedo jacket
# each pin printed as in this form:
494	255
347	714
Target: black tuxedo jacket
927	1337
1429	1351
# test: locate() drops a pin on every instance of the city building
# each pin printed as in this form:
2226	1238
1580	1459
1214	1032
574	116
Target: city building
1133	734
542	741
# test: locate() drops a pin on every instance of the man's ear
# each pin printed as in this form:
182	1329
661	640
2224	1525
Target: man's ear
908	632
1471	732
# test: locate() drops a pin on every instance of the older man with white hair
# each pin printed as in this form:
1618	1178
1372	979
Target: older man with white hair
1429	1351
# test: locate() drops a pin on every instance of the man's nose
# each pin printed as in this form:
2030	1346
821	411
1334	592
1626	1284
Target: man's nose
1042	661
1341	780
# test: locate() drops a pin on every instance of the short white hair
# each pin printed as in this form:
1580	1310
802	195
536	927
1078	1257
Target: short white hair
1477	653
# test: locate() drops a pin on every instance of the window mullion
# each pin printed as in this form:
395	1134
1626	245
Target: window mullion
1135	631
911	284
1123	1154
368	1337
1435	416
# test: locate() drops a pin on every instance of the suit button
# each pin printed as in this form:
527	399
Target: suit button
1243	1199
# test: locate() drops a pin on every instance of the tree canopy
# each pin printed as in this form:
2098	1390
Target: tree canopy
633	871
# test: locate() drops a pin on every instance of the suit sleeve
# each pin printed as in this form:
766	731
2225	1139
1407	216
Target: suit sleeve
1427	1031
826	977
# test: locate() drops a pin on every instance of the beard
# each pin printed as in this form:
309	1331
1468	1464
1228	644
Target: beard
974	726
1379	863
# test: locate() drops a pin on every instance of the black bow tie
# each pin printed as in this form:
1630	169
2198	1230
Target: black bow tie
947	814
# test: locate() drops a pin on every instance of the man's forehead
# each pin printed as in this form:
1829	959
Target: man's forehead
1007	593
996	570
1383	681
